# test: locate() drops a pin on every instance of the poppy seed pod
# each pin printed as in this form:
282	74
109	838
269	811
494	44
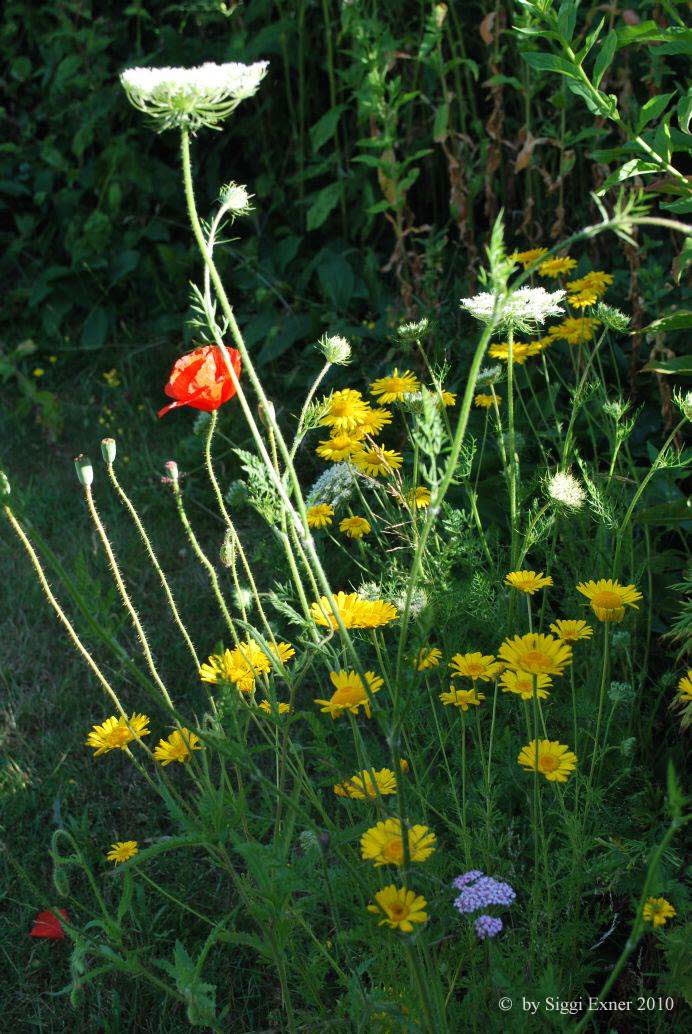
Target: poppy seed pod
85	471
108	450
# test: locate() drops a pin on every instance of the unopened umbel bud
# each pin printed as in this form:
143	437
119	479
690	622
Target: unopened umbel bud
171	468
5	486
85	471
108	450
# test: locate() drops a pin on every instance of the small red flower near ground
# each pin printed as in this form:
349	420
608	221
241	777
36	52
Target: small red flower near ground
201	379
47	924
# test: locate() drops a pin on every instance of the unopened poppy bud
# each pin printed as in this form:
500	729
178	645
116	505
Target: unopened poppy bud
266	413
171	468
227	552
85	471
108	450
5	486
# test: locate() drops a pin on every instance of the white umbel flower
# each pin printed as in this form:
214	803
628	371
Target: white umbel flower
564	489
526	308
192	97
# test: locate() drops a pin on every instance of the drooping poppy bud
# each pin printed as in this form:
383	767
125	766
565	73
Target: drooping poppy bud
48	925
201	379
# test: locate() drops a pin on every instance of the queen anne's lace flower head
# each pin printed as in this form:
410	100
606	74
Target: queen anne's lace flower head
187	98
524	309
564	489
334	487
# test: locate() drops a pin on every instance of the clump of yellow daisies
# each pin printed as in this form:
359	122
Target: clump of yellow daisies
582	294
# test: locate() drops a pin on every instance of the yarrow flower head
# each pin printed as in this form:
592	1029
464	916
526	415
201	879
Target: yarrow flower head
523	309
480	891
487	926
187	98
565	490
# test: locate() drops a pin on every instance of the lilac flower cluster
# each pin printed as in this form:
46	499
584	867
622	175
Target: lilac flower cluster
479	891
487	926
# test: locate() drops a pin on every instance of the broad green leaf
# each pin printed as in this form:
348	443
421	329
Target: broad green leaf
325	127
665	513
325	201
566	19
676	40
653	108
681	366
662	140
680	320
591	38
603	104
95	329
635	167
441	122
645	32
605	55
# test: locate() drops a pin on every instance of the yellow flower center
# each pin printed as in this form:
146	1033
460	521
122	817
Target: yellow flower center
535	659
548	763
475	670
347	695
393	851
118	737
397	910
606	599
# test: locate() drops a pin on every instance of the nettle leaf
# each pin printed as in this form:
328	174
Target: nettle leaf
324	204
325	128
653	108
549	63
604	57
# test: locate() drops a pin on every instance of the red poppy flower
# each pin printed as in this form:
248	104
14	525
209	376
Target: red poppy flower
201	379
47	924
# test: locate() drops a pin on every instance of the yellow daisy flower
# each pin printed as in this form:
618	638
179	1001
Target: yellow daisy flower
354	612
355	527
395	387
537	654
320	515
657	911
282	651
485	401
383	844
418	498
345	410
596	281
608	598
376	460
583	299
116	733
521	351
571	631
463	698
527	257
122	850
373	421
575	330
178	747
349	693
556	266
555	761
242	665
281	708
685	688
428	657
361	787
527	581
401	908
521	683
447	398
338	448
474	666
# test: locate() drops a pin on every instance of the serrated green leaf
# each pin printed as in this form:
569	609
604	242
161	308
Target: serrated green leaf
325	128
325	201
